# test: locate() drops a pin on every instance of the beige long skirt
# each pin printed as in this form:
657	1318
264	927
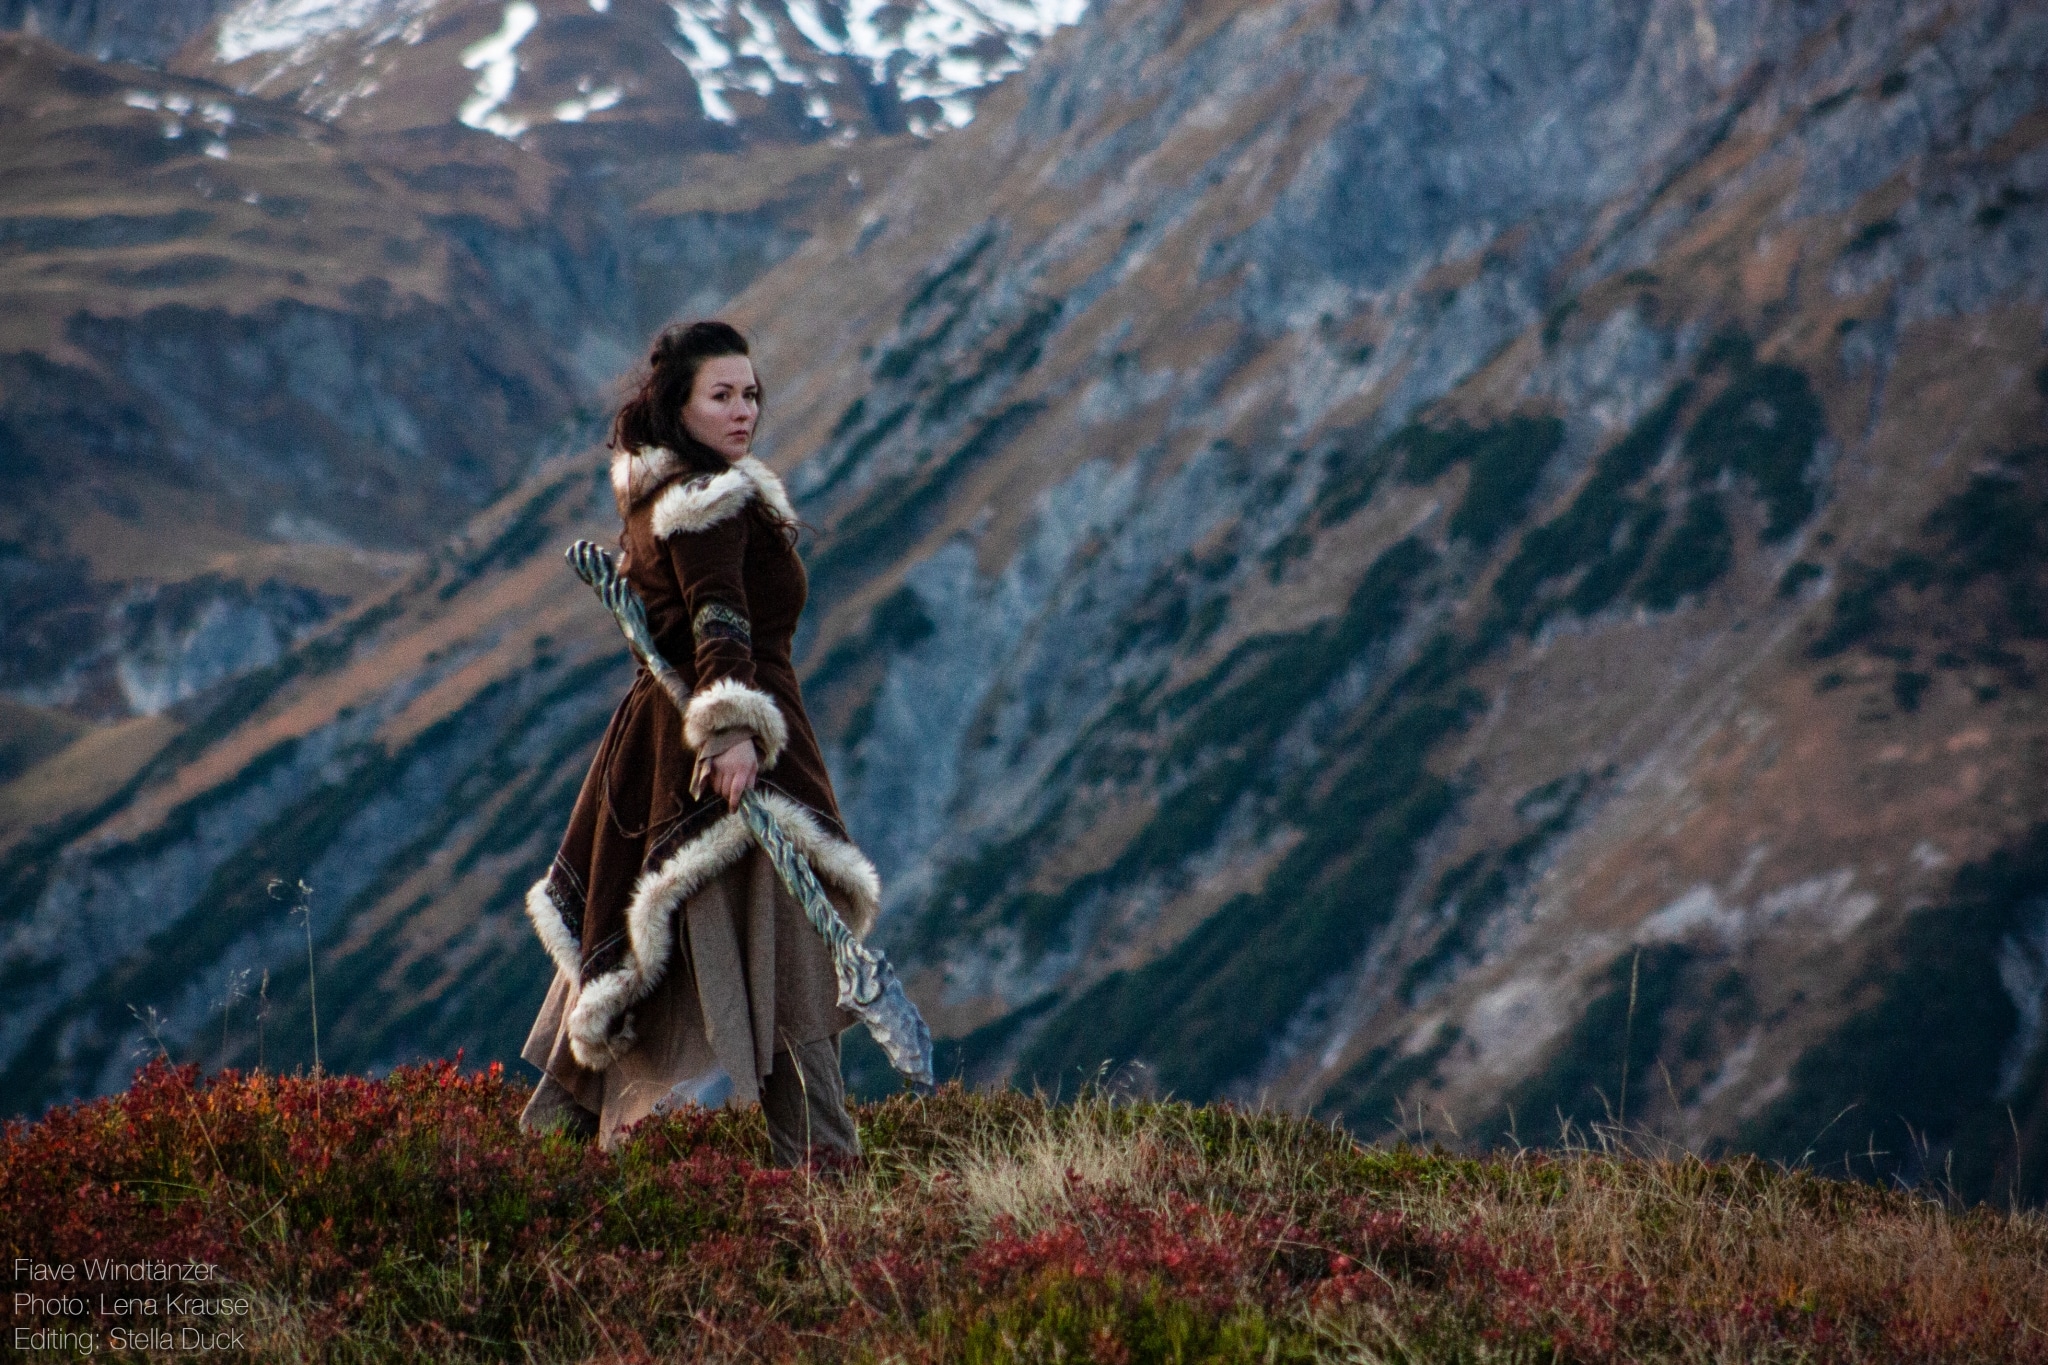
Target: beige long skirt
749	978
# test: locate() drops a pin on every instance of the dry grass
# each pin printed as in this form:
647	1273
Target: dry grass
1718	1234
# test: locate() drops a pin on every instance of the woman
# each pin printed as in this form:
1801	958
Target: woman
684	970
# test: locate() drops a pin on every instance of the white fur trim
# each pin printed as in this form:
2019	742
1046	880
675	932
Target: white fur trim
637	473
730	704
701	503
600	1030
704	502
553	930
770	484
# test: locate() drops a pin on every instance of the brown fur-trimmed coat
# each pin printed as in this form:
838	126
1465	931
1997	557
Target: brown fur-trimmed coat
724	590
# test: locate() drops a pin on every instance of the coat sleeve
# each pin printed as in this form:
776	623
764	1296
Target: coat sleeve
708	560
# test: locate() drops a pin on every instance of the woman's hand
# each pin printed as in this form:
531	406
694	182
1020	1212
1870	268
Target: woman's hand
732	773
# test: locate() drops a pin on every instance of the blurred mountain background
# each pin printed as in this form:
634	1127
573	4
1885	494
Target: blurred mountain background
1466	567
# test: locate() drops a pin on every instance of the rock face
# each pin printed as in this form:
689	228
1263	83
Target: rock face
242	342
1438	564
135	31
345	270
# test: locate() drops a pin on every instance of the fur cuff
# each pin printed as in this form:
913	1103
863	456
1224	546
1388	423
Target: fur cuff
600	1027
704	502
553	927
729	704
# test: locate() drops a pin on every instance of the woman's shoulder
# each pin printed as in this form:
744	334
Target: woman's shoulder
679	501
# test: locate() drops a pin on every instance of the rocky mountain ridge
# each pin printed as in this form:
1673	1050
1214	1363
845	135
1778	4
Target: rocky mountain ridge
388	326
353	222
1426	562
770	68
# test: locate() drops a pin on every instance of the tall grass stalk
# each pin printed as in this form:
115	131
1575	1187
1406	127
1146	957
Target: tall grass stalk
232	990
1628	1037
302	908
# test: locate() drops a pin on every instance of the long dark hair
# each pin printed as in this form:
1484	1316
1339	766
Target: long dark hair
653	416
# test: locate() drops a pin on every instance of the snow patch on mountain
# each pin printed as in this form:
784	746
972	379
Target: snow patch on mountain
286	25
939	50
933	54
591	98
497	59
176	108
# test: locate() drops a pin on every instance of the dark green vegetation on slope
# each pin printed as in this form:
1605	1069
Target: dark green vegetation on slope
1926	1082
1977	582
1604	530
357	819
1506	460
1762	428
1253	961
1205	1013
408	1219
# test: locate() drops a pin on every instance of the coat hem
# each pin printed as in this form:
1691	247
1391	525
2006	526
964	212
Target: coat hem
549	921
600	1027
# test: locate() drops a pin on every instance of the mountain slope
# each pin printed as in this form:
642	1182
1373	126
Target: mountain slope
253	362
1439	561
1480	483
400	248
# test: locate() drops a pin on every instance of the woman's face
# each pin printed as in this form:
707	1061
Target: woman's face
724	404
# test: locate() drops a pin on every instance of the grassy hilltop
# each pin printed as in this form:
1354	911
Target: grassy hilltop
407	1218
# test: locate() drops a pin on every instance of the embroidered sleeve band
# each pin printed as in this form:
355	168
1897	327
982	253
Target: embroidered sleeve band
717	621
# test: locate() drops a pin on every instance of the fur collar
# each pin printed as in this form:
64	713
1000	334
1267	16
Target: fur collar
701	501
637	474
710	498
